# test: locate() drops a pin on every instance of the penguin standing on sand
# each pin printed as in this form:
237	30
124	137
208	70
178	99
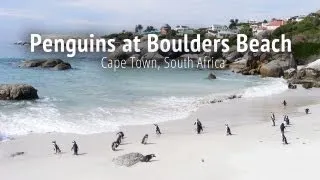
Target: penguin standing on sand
75	148
284	103
273	119
228	130
199	126
307	110
147	158
145	139
157	129
286	119
114	146
56	147
282	128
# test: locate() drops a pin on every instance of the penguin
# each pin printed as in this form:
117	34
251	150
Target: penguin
75	148
114	146
284	103
199	126
119	139
144	139
273	119
282	128
121	134
284	139
157	129
307	110
147	158
228	130
56	147
286	119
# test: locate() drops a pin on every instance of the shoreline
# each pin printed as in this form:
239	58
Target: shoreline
180	152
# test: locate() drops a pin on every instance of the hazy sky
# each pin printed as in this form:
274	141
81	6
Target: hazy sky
20	17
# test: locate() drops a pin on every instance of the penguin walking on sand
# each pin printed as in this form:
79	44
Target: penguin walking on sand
75	148
145	139
228	130
56	147
273	119
307	110
284	139
282	128
286	119
199	126
147	158
284	103
119	139
114	146
121	134
157	129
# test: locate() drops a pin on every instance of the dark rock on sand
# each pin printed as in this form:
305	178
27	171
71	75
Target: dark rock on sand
56	64
307	85
17	92
17	154
128	159
212	76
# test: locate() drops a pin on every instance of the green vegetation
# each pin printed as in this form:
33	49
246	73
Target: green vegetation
246	29
119	37
305	36
233	23
303	51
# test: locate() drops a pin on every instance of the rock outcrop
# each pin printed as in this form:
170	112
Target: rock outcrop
56	64
308	76
212	76
17	92
128	159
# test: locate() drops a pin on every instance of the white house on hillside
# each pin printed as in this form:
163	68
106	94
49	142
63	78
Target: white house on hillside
221	31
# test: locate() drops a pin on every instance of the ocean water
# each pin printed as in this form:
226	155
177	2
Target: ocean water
89	99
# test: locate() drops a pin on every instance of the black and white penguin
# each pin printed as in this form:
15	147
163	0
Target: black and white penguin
56	147
145	139
114	146
75	148
147	158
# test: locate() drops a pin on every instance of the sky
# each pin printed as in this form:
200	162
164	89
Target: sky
19	18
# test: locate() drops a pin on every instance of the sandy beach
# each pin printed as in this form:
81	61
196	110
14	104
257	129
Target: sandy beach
255	151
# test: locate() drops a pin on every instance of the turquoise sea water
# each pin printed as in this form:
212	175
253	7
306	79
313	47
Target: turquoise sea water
90	99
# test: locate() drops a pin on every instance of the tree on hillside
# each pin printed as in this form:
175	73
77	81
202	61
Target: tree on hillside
247	30
149	29
233	23
139	27
265	21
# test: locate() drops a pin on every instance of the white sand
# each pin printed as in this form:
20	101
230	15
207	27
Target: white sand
254	152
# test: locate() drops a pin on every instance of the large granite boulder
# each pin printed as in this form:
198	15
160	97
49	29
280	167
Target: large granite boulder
215	53
289	73
56	64
119	54
17	92
308	76
128	159
212	76
62	66
276	68
153	56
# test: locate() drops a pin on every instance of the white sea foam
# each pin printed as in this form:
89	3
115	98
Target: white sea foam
274	86
44	116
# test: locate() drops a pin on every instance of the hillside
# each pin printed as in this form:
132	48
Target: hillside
305	36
